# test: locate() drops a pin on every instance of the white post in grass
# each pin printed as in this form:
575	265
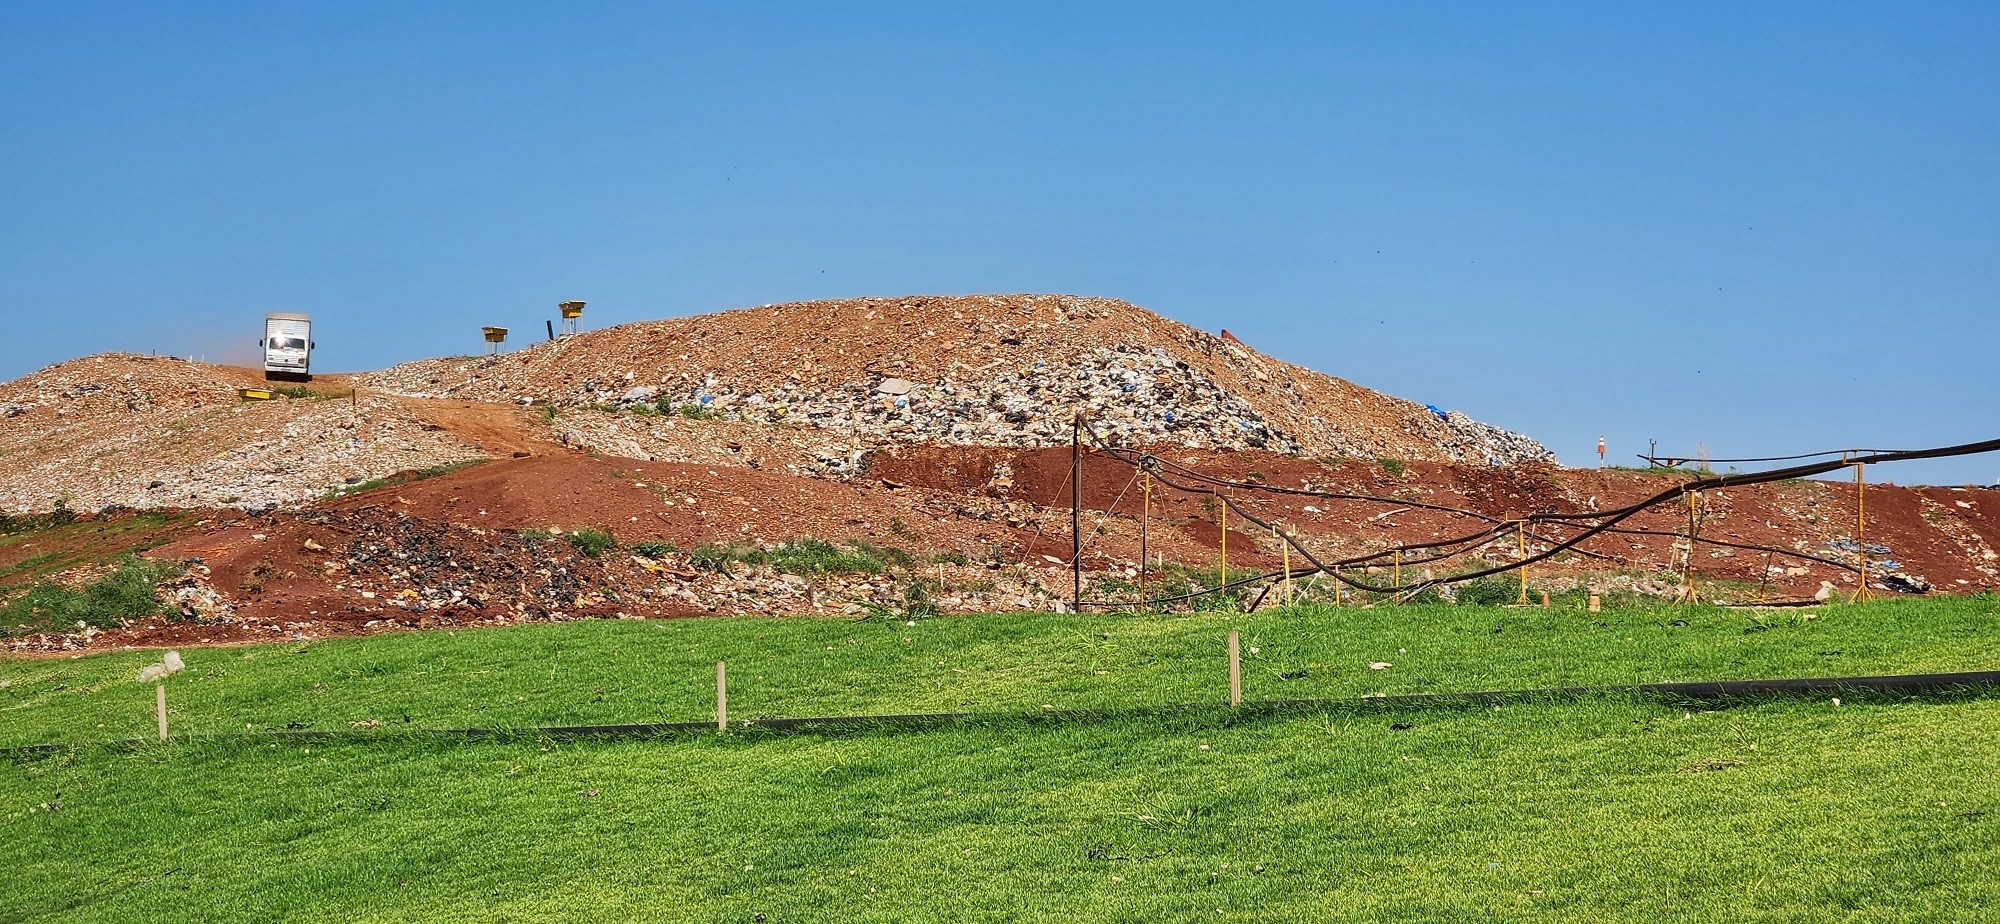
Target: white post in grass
721	697
1235	670
157	674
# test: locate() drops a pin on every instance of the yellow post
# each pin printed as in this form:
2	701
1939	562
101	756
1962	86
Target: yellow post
1222	520
1861	530
1687	594
1521	538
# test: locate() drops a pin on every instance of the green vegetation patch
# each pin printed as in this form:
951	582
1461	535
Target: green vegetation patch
302	393
58	543
592	542
126	593
621	671
410	477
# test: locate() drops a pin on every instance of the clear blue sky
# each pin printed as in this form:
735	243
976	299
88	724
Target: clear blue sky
1767	227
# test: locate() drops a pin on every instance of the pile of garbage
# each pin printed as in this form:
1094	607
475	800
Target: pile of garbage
968	370
138	431
1128	395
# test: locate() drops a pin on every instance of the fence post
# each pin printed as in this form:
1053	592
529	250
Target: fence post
721	697
1235	670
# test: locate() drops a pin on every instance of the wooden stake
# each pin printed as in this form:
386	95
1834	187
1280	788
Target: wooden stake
160	707
1596	601
721	697
1235	670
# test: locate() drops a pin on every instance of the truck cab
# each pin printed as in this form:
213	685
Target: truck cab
287	346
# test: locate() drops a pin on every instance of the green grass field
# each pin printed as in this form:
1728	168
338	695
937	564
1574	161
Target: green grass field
1608	807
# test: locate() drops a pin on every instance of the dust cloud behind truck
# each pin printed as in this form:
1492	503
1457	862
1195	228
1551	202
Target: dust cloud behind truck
287	345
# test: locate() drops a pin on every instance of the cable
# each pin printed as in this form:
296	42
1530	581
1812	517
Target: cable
1605	521
1673	461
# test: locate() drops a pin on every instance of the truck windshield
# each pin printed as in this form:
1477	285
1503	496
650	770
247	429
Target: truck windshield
288	343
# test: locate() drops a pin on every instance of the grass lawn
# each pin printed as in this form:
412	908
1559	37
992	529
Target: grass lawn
1599	808
603	672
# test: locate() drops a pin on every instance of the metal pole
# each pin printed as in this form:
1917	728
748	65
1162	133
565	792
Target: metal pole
1076	513
1145	513
160	706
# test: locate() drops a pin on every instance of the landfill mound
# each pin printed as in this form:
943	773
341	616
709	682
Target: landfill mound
1005	370
139	431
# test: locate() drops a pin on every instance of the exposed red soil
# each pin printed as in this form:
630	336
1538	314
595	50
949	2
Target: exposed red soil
1946	535
688	505
449	550
446	551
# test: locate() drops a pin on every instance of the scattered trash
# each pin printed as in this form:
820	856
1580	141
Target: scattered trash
1906	584
167	666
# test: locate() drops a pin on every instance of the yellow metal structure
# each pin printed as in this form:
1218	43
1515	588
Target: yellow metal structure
256	394
1222	520
572	312
1861	530
1687	594
1285	548
1521	537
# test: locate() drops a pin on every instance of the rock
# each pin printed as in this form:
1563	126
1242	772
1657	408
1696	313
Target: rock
1906	584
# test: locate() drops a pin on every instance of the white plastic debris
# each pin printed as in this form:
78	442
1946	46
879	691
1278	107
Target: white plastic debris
167	666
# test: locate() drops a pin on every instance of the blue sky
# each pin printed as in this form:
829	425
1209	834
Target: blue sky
1768	228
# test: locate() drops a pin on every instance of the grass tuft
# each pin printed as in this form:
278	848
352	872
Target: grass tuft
128	592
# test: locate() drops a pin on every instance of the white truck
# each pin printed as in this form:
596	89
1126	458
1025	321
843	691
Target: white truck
287	345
